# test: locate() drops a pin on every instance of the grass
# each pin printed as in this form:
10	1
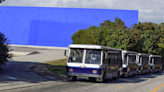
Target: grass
57	66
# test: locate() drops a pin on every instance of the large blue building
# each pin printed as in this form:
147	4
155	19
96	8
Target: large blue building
52	26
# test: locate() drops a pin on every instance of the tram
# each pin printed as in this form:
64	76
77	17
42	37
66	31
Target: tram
155	63
143	63
93	61
101	62
129	65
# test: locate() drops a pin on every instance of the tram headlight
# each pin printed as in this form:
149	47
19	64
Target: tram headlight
124	66
94	71
70	70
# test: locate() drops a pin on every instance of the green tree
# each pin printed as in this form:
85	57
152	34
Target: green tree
89	36
116	34
150	35
136	40
5	56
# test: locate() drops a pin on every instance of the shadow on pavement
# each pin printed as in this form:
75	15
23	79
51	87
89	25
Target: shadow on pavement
20	71
136	79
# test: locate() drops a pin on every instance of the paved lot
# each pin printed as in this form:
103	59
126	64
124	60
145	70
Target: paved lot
18	73
17	76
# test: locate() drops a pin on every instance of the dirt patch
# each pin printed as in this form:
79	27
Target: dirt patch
42	70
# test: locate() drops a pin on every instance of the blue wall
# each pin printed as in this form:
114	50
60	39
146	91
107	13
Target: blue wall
46	26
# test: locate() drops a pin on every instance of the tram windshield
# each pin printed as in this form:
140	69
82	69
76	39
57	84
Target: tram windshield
76	55
132	58
145	60
93	56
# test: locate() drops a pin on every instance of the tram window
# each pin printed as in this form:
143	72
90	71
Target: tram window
145	60
160	60
151	60
93	56
155	60
76	55
112	58
132	58
106	59
140	59
125	59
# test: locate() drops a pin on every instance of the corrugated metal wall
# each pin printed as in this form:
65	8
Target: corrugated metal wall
46	26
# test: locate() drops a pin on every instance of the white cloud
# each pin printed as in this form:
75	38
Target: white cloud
149	10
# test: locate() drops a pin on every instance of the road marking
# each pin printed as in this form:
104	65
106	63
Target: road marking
157	88
119	87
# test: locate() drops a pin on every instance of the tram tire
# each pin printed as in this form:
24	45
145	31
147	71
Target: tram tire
152	71
102	79
119	76
140	73
91	79
127	75
74	78
114	78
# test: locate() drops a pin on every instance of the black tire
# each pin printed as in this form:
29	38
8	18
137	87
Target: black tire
92	79
152	71
119	76
134	75
127	75
114	78
103	79
141	73
74	78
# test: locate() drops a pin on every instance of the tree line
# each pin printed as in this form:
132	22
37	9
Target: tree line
144	37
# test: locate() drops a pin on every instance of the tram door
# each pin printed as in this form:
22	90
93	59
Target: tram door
145	64
157	64
132	64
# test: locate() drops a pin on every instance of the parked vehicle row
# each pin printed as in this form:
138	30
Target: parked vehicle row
101	62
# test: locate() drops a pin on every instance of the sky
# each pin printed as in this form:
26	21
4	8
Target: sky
149	10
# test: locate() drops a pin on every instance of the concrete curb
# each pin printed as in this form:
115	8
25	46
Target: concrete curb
19	53
41	47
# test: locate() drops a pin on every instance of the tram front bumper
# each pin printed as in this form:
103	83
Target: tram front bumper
83	75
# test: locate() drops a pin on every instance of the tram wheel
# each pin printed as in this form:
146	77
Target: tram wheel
114	78
74	78
102	79
152	71
126	75
119	76
140	73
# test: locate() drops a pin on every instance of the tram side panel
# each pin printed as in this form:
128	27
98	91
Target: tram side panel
113	63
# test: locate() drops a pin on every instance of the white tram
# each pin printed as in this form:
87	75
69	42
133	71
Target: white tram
143	63
155	63
101	62
93	61
129	63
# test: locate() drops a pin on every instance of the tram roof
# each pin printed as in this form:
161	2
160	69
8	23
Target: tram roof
129	52
155	56
143	54
88	46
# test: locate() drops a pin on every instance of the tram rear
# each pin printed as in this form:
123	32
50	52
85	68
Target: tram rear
143	63
155	63
129	59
